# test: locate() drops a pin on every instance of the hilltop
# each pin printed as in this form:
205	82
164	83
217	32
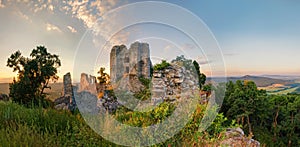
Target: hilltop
273	84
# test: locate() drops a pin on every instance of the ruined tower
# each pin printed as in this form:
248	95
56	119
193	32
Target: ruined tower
132	61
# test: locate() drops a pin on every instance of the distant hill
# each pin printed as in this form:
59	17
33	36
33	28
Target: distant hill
54	92
260	81
4	88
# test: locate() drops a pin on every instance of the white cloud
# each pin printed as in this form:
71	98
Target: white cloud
51	27
22	15
79	10
1	4
51	8
188	46
168	48
73	30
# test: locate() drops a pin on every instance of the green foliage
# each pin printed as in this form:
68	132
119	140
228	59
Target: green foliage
139	119
145	81
207	87
163	65
201	76
187	63
34	75
274	119
188	135
20	126
242	102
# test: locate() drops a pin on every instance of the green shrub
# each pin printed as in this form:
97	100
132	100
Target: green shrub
161	66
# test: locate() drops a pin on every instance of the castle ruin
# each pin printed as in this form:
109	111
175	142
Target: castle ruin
132	61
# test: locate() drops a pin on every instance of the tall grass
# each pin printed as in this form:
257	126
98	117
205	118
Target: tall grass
21	126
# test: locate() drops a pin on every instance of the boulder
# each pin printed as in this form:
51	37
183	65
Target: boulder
236	137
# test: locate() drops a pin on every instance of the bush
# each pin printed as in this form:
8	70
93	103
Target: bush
163	65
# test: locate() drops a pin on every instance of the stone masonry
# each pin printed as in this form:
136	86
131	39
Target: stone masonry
67	100
135	61
88	83
173	83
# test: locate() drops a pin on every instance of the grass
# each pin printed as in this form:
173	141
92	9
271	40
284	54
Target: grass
285	91
20	126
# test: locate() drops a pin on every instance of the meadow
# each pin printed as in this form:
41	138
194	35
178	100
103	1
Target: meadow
21	126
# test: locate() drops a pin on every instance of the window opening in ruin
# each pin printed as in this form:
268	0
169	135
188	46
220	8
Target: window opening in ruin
126	60
127	69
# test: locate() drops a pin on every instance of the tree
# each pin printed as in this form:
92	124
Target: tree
104	77
34	75
201	76
242	102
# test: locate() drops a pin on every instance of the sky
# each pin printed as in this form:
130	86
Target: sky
254	37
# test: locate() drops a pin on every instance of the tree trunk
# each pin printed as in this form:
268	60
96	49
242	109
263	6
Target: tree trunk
292	122
44	86
275	124
249	124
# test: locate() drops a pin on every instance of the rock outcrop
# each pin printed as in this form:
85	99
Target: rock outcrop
236	137
92	97
108	102
67	100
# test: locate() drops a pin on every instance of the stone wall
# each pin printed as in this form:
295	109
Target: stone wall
67	100
88	83
88	97
135	61
173	83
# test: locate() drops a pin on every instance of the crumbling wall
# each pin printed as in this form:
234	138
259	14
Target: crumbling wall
67	100
134	61
88	83
173	83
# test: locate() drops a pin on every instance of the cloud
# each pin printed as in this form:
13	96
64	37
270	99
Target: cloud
88	12
167	48
22	15
120	38
39	7
188	46
230	54
51	8
51	27
1	4
73	30
203	60
79	10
